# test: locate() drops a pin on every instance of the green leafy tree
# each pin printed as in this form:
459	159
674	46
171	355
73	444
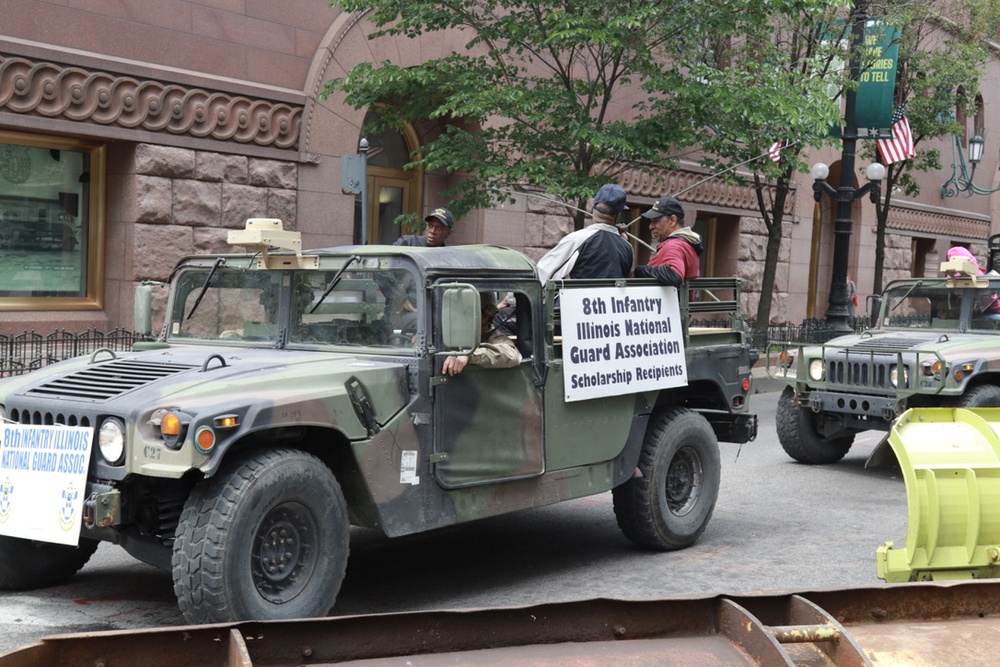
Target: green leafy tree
781	81
533	101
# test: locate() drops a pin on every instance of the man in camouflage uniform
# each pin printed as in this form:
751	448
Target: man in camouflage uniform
495	349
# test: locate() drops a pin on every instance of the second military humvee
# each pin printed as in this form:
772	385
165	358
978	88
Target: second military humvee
935	343
292	395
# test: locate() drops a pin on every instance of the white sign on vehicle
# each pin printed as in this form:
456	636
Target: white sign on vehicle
621	340
43	481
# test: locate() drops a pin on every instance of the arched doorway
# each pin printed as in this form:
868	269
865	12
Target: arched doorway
392	190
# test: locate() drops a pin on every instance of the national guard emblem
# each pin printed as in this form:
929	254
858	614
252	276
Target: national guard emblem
6	490
67	512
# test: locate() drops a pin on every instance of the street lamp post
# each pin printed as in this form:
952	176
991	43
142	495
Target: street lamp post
837	314
961	177
363	151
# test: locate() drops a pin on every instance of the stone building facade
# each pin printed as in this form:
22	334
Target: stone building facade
135	133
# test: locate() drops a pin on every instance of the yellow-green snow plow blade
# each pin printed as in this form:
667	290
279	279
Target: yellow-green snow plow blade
950	459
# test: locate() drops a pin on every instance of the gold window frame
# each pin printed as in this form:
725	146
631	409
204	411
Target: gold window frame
93	262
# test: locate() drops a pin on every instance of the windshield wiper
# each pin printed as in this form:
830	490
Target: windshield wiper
333	282
914	286
204	288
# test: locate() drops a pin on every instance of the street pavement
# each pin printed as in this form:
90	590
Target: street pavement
778	526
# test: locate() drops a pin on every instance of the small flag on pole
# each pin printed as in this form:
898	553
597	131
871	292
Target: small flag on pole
900	147
775	151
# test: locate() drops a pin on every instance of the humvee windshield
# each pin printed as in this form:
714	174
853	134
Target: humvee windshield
368	306
935	306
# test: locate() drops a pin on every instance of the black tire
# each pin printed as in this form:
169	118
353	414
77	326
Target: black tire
266	538
798	437
27	564
980	396
668	504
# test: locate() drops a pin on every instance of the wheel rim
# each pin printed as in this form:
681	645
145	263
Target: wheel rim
284	554
685	479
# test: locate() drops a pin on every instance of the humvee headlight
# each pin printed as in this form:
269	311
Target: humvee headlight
894	375
111	440
817	370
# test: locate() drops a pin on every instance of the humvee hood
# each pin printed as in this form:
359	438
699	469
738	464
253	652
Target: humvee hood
943	342
209	378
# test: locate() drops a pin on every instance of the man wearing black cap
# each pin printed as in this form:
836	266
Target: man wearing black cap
440	222
596	251
676	258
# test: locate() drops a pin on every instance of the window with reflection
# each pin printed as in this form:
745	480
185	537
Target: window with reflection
357	308
50	227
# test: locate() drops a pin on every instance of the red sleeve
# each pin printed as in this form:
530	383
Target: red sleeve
671	253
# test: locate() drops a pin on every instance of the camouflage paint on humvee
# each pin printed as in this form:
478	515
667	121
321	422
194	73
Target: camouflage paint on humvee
292	395
935	343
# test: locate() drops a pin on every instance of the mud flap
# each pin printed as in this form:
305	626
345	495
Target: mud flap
950	460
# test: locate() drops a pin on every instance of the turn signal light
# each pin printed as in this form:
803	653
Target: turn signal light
227	421
171	425
962	370
205	439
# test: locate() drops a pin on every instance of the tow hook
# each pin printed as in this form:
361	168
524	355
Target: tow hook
102	509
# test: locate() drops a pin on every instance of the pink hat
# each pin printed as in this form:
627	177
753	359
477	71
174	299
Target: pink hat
959	251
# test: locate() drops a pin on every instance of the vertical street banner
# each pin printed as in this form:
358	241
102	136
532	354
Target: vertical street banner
877	83
43	481
621	340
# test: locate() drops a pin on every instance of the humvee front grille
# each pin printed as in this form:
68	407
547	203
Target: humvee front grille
49	418
103	381
872	373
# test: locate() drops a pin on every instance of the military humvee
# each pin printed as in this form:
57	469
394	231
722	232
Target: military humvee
292	395
935	343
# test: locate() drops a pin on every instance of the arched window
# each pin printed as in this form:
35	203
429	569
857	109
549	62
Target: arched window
392	191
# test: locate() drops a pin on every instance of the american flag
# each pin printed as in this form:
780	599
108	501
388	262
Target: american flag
775	150
900	147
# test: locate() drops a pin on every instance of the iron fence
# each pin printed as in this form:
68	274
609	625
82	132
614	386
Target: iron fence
29	351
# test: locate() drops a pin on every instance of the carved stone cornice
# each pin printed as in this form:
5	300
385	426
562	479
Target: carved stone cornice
52	90
932	223
657	182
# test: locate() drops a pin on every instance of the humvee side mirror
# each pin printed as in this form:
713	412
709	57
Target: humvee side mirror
461	321
876	306
143	310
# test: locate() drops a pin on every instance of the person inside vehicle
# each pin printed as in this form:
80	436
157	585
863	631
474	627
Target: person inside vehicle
678	249
988	304
495	350
439	224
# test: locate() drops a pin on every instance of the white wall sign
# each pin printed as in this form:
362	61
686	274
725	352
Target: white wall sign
43	481
621	340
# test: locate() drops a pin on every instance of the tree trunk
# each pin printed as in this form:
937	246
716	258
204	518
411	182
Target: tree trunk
772	221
